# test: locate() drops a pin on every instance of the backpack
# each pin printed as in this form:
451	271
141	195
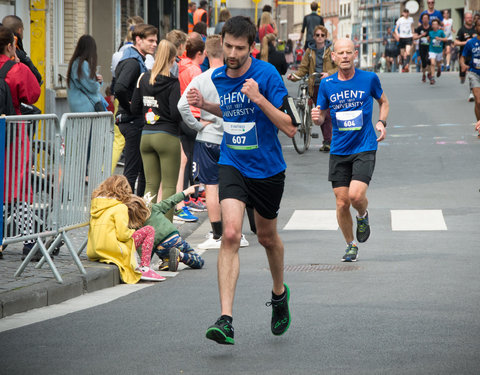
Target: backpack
6	103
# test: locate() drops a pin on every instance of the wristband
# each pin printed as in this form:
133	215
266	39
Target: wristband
383	122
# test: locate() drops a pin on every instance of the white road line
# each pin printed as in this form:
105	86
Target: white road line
417	220
312	220
82	302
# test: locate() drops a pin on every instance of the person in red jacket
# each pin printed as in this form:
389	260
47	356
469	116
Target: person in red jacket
23	85
24	88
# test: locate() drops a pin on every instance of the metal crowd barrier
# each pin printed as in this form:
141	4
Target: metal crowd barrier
47	192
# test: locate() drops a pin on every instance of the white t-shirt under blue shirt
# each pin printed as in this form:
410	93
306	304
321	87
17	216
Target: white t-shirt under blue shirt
472	49
351	105
250	140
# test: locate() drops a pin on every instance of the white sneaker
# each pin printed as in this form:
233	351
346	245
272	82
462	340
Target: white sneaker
471	98
243	241
210	242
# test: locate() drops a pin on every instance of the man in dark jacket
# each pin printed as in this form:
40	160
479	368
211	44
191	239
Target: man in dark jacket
311	21
15	24
131	65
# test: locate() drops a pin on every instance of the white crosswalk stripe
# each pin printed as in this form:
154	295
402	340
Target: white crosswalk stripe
312	220
417	220
401	220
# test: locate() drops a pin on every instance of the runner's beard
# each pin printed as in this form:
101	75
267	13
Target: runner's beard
235	64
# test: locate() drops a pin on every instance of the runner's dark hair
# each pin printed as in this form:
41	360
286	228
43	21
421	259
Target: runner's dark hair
240	27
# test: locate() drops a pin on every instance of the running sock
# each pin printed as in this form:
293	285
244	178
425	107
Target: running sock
363	216
228	318
280	297
352	243
217	229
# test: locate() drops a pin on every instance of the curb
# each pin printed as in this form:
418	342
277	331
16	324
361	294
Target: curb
50	292
99	276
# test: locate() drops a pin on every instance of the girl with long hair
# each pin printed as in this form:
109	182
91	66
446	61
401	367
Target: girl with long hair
117	230
83	84
269	53
267	26
156	97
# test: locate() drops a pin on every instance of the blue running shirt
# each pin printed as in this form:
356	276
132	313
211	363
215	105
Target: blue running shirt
472	49
250	140
351	104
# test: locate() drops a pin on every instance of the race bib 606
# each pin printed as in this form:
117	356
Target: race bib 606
240	135
349	120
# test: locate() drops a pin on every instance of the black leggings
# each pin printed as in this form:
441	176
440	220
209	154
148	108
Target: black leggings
132	131
187	138
424	56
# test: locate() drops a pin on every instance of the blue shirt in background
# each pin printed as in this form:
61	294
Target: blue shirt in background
351	105
472	50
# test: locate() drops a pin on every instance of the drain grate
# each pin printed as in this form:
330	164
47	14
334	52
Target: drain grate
321	268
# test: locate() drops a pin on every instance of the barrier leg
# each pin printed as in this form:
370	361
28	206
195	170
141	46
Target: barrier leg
72	251
49	250
82	246
39	246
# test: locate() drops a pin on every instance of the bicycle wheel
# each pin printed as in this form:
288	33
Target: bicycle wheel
300	138
308	126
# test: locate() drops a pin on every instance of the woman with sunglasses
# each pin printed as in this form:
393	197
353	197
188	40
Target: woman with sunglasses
318	59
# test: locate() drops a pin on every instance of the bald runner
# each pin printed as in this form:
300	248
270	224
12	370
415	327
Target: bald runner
349	95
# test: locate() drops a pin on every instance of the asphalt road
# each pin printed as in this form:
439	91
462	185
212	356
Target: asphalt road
410	305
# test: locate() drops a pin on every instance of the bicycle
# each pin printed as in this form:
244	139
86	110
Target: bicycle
301	140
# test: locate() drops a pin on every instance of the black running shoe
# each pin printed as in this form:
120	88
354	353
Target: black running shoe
363	228
221	332
173	259
280	314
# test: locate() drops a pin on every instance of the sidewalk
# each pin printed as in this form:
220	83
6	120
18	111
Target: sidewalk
38	288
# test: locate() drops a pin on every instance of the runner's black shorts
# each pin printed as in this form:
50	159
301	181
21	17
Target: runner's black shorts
345	168
405	42
264	195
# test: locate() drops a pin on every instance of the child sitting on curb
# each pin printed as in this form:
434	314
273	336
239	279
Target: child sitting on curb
112	237
168	244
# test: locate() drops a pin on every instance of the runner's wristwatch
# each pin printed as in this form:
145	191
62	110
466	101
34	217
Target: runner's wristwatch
383	122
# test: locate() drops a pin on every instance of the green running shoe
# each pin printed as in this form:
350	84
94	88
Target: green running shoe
280	314
363	228
221	332
351	254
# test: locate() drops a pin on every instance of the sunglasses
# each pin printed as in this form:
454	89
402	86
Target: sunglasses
322	35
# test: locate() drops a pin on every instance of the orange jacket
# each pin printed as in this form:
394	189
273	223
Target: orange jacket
187	69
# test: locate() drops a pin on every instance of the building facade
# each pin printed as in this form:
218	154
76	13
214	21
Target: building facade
52	28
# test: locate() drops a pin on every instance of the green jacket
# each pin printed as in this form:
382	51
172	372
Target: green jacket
163	227
307	66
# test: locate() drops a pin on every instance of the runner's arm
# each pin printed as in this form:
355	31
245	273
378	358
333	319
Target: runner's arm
280	119
383	106
195	98
463	66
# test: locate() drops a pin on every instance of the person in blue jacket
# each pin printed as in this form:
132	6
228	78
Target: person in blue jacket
83	84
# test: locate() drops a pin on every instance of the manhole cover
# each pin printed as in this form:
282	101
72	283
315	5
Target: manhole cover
321	268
